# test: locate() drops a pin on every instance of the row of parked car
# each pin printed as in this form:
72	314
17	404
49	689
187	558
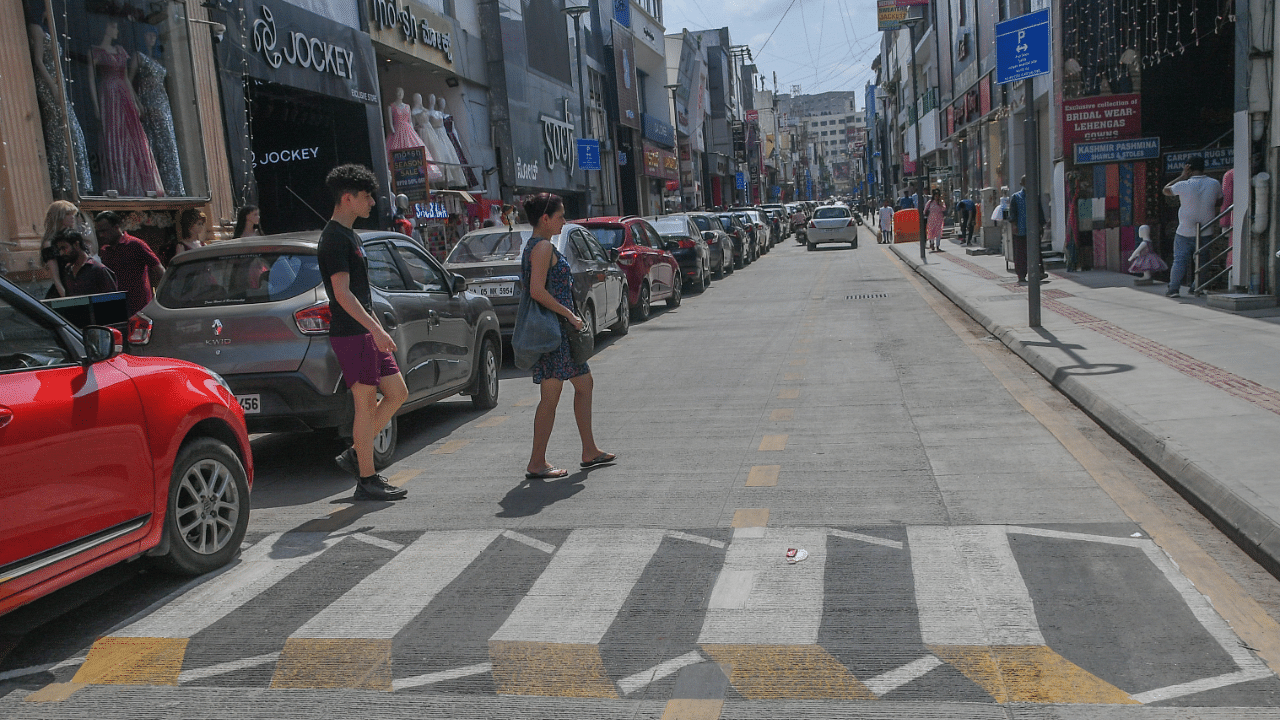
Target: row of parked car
143	448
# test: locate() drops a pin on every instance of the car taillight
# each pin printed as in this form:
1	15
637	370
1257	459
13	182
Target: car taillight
850	223
687	244
625	260
139	329
313	320
812	224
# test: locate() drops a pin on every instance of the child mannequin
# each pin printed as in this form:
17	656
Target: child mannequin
1144	259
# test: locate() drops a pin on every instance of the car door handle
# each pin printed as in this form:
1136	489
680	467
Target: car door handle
434	317
389	321
6	415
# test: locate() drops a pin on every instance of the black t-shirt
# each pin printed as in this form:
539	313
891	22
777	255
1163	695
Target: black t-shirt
341	251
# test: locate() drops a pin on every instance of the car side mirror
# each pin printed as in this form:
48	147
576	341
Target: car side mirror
614	254
671	244
708	236
101	343
459	284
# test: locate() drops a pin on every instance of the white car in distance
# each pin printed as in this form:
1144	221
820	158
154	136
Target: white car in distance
831	224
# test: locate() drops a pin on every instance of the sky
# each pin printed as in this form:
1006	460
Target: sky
820	45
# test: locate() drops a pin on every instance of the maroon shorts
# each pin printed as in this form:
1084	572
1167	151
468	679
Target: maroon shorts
361	361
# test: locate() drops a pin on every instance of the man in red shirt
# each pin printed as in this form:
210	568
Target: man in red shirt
136	267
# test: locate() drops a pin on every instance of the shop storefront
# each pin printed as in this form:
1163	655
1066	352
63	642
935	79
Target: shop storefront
435	117
300	96
977	126
103	109
660	165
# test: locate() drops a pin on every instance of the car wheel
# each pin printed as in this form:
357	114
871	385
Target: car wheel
486	390
645	305
700	282
739	261
673	301
208	510
623	326
853	245
719	273
384	444
812	246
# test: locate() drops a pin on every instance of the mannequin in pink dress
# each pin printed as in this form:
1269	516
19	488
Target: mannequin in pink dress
128	164
402	136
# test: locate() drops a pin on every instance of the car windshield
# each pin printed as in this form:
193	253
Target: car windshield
671	225
488	247
831	211
726	222
242	279
703	223
609	237
746	219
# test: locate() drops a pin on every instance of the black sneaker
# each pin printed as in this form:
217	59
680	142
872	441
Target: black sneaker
1172	294
349	463
377	488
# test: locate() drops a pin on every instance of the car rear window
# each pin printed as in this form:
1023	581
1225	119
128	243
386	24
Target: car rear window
239	280
703	224
488	247
671	226
611	237
726	223
825	213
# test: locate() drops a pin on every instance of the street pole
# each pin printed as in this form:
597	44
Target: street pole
915	108
679	162
1032	189
576	11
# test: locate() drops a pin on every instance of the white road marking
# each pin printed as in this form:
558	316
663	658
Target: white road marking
579	594
442	676
884	684
695	539
192	675
259	568
536	544
643	678
866	538
37	669
969	590
761	599
377	542
1196	686
391	596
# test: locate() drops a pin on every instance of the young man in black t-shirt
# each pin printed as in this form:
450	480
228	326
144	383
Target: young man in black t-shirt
363	348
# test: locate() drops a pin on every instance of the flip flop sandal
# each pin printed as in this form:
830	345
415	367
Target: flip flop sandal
604	459
551	473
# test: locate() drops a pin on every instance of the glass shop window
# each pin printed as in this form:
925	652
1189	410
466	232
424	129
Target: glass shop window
117	98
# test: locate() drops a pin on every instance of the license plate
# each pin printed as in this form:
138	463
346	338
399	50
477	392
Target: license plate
251	404
498	290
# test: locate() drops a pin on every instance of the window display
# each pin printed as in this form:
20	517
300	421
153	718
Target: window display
127	98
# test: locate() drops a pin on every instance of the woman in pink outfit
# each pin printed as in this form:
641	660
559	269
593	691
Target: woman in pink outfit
129	165
935	212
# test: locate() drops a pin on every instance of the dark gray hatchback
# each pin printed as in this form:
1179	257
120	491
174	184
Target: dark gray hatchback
255	311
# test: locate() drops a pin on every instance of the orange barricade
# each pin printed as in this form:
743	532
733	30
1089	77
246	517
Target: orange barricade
906	226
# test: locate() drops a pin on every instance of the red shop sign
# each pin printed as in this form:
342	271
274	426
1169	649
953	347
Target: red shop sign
1108	117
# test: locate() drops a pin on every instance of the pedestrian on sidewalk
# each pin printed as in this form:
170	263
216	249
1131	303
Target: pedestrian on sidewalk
967	212
135	264
363	348
548	279
935	212
1198	196
886	222
1017	217
81	274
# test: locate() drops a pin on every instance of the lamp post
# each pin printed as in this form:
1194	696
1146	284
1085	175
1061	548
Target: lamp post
576	12
679	163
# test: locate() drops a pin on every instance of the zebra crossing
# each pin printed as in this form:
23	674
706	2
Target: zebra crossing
886	613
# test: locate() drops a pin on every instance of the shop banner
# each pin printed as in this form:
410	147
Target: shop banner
624	59
691	78
409	173
652	161
1117	151
658	130
889	15
416	29
1215	160
670	165
291	46
1110	117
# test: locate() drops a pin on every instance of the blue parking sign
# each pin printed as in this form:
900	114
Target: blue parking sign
1022	47
589	154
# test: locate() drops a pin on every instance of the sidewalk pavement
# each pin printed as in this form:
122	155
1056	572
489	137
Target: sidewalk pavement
1194	391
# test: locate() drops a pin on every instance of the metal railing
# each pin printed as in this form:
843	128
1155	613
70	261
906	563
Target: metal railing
1201	264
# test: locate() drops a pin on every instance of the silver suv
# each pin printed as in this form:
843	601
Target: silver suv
254	310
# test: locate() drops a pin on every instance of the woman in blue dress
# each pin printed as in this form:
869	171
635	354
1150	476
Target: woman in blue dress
548	279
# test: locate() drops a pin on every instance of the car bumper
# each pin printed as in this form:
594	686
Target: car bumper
291	402
688	261
841	235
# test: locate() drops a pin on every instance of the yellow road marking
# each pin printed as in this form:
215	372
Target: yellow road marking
789	394
451	447
133	661
1250	622
783	414
763	476
329	663
494	421
550	669
787	672
404	476
679	709
526	401
750	517
1029	674
54	692
773	442
793	376
799	362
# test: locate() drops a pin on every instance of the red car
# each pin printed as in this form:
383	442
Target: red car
109	456
652	271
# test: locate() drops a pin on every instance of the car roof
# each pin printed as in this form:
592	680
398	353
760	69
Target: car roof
305	241
609	220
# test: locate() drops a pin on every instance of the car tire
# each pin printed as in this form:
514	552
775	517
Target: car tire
719	273
623	326
208	509
644	306
739	261
485	396
673	301
700	283
384	444
812	246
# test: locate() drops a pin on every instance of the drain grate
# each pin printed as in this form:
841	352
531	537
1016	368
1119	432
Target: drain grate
868	296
